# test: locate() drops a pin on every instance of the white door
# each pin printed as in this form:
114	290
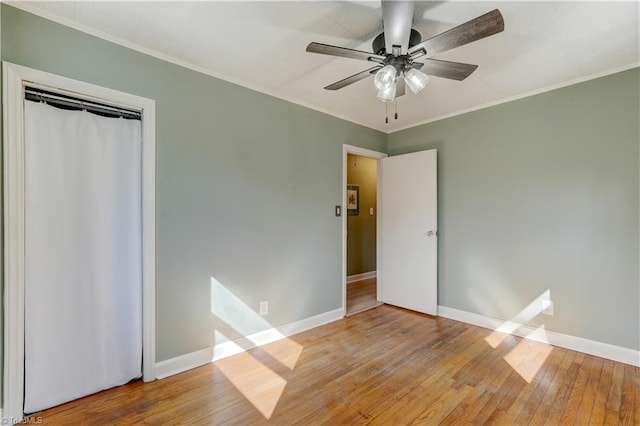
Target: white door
409	275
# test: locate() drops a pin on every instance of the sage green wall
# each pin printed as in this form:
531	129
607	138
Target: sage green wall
361	228
246	184
542	193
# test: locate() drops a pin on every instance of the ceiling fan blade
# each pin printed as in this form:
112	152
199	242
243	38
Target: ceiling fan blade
400	87
327	49
445	69
396	20
352	79
476	29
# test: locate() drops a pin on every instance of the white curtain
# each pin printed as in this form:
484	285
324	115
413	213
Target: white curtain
83	252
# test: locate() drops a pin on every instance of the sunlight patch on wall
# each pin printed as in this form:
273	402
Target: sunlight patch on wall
233	311
532	310
253	328
487	283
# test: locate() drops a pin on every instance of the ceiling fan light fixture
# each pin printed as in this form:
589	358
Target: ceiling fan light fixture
385	78
387	94
416	80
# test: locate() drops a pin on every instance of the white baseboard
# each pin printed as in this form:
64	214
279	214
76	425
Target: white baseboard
183	363
271	335
360	277
591	347
204	356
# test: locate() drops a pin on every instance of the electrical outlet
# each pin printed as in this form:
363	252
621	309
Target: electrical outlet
264	308
547	307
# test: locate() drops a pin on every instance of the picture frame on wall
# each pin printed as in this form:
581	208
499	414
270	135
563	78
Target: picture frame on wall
353	200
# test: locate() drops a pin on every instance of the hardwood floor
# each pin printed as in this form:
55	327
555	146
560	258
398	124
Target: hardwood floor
384	366
361	295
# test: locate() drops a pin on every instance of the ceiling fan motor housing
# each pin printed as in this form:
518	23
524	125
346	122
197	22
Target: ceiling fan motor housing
379	47
401	63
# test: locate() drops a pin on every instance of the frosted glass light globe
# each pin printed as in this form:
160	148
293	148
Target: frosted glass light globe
416	80
385	78
387	94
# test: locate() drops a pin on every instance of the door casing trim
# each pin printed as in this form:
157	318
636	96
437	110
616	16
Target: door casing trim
15	77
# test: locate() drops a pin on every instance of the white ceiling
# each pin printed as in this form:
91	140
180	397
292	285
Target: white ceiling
261	45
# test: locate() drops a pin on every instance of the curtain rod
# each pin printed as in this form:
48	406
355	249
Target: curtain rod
55	99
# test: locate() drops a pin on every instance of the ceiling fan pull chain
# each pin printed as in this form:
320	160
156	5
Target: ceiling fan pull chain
386	109
396	104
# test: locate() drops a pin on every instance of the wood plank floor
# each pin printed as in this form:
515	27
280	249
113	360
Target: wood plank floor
361	295
384	366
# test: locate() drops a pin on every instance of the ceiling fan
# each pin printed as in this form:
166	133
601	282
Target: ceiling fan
396	49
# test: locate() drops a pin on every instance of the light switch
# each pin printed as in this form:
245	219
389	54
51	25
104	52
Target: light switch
338	210
370	211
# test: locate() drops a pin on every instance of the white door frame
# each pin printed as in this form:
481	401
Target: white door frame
15	77
363	152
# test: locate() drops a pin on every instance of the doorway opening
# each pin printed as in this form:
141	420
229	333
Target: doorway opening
361	212
406	228
361	222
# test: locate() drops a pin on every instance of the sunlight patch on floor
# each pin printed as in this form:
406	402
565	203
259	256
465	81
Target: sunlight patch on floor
495	339
257	383
528	357
286	351
530	354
